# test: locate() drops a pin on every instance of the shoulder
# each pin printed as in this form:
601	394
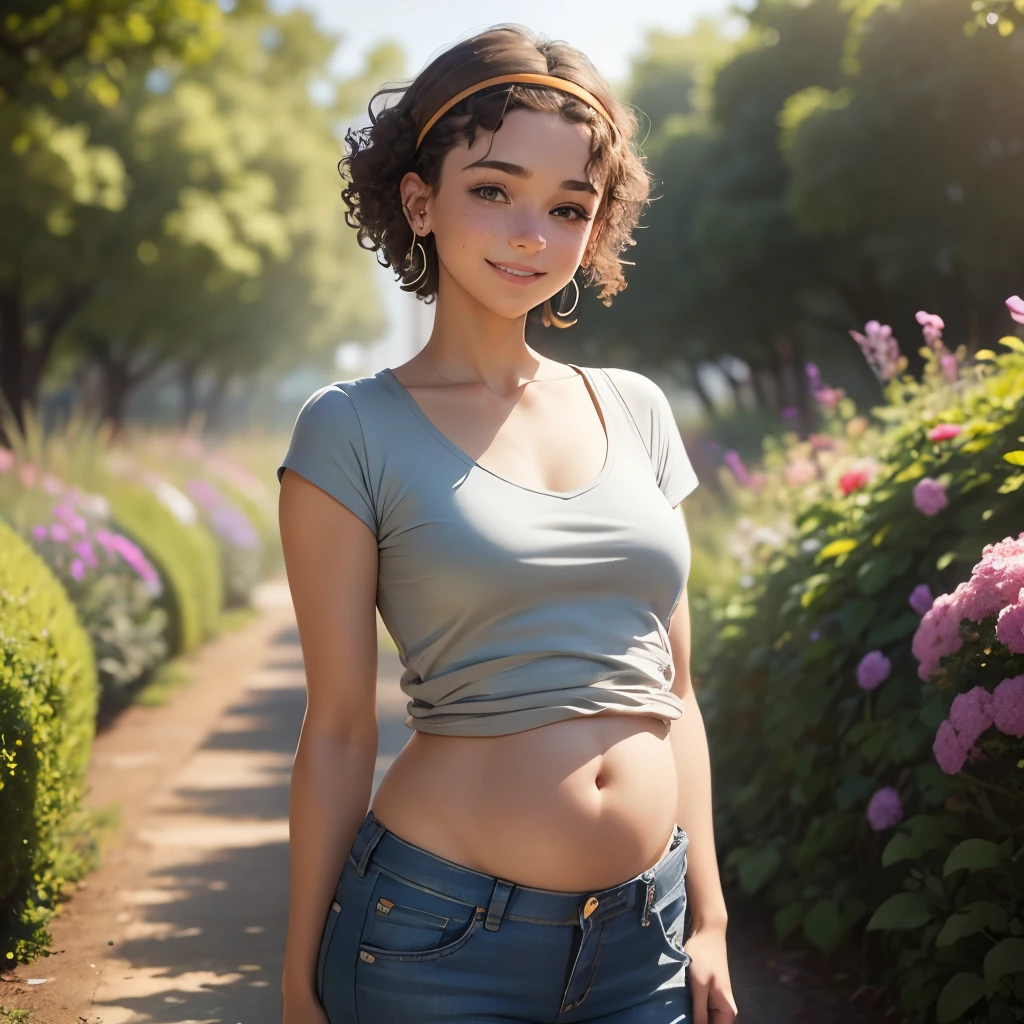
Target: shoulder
343	403
642	397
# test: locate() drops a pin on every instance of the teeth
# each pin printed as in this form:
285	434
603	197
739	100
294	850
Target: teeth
518	273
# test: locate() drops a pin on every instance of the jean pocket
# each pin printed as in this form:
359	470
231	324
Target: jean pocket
670	917
408	923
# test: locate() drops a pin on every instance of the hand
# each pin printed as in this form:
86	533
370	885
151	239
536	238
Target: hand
303	1009
708	977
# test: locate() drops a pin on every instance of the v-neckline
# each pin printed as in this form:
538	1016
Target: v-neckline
599	403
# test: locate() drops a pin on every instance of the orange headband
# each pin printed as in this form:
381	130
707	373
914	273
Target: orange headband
562	84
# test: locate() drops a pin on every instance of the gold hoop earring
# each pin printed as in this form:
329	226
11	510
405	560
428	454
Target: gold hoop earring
572	281
409	262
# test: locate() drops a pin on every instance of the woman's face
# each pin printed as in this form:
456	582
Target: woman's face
526	205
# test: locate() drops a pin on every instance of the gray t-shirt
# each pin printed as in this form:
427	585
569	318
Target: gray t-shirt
512	607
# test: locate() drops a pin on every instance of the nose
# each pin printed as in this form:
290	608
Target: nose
528	235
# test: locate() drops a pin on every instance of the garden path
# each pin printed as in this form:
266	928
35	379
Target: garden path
183	922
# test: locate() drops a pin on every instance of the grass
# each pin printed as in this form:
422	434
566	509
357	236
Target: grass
12	1015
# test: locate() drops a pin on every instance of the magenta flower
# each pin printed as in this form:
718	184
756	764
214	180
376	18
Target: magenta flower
40	532
930	496
77	569
970	714
932	327
873	670
947	749
1010	626
944	431
921	598
1016	306
950	367
1008	706
885	809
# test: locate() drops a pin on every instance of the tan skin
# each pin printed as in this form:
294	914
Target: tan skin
577	805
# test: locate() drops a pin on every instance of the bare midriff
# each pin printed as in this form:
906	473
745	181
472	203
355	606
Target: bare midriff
579	805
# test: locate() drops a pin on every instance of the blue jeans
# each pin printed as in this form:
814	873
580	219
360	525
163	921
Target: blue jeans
413	938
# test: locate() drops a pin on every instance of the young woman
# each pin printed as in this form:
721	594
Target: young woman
542	848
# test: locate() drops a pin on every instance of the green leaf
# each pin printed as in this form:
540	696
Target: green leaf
1014	458
973	855
1012	483
961	992
1005	957
821	926
837	547
900	847
984	354
1013	343
757	867
943	560
978	916
855	616
904	910
787	918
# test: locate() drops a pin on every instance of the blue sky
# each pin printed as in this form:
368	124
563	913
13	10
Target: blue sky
608	32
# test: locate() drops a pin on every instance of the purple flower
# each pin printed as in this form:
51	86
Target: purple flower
813	376
40	532
970	715
884	809
1015	304
1008	706
921	598
873	670
789	412
735	463
947	749
930	496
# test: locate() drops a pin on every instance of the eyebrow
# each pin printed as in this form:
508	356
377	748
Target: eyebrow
570	184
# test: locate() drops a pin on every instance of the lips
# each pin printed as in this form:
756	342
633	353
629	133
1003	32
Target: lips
524	277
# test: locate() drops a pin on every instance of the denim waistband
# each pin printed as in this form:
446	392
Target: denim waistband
501	898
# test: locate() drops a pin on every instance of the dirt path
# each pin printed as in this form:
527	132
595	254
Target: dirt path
183	923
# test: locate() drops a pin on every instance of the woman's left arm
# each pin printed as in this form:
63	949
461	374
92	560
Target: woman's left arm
713	1001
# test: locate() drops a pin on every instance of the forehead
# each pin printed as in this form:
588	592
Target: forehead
543	142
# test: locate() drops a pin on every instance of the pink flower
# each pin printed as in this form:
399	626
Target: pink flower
950	367
829	397
854	480
1016	306
6	459
1008	706
884	809
77	569
800	472
59	532
931	327
921	598
28	474
930	496
996	580
938	635
970	714
944	431
880	348
947	749
1010	626
873	670
821	442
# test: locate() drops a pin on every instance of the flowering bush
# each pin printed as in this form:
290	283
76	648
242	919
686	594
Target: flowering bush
840	696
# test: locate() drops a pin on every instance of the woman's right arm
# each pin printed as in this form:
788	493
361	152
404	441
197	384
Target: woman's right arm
331	563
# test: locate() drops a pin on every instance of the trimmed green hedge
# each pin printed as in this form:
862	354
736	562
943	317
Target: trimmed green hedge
48	697
185	554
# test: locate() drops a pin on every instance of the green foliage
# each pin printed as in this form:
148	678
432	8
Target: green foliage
185	554
48	695
799	748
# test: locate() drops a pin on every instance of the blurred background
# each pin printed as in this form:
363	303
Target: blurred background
826	285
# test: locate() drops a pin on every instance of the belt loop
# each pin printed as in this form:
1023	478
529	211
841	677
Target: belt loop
499	900
371	844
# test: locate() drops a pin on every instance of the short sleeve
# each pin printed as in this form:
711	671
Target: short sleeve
675	473
328	448
649	408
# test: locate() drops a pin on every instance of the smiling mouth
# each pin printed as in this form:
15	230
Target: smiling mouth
515	275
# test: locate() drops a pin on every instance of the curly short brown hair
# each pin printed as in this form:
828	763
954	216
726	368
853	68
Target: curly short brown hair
382	153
